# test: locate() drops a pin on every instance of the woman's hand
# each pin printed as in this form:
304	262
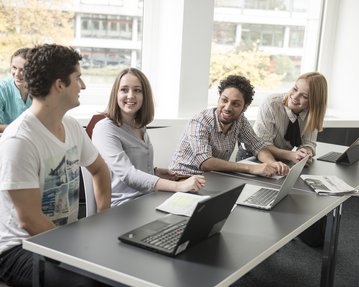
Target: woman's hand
194	183
301	153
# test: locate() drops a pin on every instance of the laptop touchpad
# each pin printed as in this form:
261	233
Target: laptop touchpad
156	225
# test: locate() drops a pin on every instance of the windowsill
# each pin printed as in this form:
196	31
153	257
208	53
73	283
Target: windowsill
331	119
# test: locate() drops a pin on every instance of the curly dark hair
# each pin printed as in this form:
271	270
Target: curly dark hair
47	63
239	82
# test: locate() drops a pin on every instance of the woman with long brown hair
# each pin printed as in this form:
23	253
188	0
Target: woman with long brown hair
123	142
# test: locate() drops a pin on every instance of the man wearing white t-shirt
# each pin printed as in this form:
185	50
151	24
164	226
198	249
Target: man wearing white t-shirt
40	155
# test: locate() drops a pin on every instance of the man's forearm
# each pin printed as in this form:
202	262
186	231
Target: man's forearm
35	224
223	165
265	156
102	190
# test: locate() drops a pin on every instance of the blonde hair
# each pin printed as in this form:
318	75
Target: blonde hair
318	98
146	113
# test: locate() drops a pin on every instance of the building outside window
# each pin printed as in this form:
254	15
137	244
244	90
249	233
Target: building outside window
109	36
266	41
269	41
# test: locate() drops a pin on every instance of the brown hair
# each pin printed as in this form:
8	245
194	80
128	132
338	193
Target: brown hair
146	113
22	52
318	97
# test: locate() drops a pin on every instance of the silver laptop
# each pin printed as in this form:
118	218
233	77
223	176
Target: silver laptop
348	157
266	198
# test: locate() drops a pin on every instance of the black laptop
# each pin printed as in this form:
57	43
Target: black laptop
173	234
348	157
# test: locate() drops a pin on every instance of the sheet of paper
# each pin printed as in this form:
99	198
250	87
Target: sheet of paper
181	203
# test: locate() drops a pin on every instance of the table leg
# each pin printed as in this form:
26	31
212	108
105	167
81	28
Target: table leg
38	271
330	247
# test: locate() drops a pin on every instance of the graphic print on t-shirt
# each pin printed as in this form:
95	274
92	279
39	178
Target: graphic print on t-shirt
60	194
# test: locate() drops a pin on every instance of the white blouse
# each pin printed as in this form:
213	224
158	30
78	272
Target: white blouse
272	122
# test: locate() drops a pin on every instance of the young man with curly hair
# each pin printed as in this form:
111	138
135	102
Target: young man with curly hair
212	134
41	152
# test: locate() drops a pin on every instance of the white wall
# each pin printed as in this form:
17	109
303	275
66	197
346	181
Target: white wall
340	56
165	141
176	54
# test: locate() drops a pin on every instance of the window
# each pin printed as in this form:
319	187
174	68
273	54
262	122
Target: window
108	33
296	37
266	40
106	27
261	35
224	33
181	56
110	39
104	2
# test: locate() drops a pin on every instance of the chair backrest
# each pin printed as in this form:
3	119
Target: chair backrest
91	207
92	123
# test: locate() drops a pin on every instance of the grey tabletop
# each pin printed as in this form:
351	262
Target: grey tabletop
349	174
248	237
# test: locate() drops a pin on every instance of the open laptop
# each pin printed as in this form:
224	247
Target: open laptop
348	157
173	234
266	198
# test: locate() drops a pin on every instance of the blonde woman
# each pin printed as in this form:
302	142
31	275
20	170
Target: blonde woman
289	123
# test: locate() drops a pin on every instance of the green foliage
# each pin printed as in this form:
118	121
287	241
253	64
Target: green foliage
28	23
282	64
252	64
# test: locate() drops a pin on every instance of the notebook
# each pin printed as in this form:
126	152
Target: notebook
173	234
348	157
266	198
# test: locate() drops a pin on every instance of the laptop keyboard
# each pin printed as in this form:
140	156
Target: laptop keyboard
332	156
167	238
262	197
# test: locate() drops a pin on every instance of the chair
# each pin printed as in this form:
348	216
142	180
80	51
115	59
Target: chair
90	201
92	123
91	207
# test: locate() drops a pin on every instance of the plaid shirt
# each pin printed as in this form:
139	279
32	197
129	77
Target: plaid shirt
204	139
